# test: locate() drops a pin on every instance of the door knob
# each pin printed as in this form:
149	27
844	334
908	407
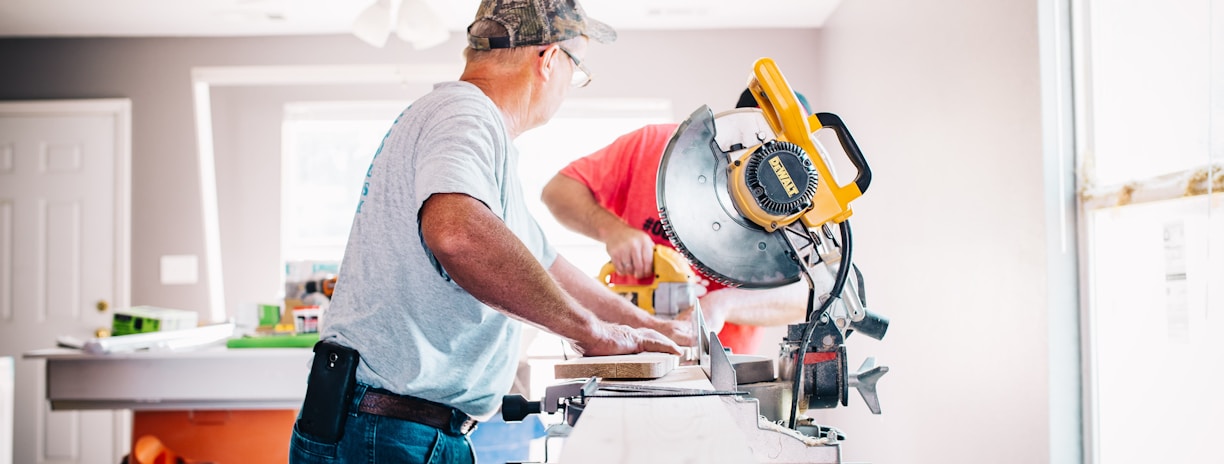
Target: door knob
103	306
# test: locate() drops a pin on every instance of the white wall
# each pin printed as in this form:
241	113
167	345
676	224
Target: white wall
943	97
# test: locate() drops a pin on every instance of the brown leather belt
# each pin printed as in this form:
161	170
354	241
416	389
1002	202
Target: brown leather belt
417	410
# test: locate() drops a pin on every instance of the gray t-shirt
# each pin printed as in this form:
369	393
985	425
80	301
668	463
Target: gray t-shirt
418	332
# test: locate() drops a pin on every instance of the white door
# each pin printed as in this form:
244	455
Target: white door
64	239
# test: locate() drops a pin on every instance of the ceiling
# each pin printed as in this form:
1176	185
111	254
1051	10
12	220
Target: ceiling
204	18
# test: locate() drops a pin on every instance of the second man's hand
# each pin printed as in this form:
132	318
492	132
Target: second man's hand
631	251
575	207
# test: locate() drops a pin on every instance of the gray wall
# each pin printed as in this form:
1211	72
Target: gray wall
943	97
690	68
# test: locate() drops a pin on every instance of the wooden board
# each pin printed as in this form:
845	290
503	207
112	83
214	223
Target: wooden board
629	366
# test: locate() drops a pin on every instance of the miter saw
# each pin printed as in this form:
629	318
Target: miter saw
749	197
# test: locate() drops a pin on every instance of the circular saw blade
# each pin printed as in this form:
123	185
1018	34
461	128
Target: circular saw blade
699	215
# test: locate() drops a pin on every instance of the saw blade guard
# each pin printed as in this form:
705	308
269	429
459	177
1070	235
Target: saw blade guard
700	217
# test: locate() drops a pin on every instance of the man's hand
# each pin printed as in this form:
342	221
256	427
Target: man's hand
621	339
632	251
575	207
679	330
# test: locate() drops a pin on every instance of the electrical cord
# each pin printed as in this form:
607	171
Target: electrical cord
814	319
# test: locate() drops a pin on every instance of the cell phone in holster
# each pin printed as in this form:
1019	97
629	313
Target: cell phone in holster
333	376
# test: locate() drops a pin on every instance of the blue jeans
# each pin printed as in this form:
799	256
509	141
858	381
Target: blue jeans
373	439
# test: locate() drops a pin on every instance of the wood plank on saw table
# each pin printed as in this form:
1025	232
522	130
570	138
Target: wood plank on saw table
626	366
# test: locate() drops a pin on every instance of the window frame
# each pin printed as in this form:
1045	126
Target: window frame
1091	197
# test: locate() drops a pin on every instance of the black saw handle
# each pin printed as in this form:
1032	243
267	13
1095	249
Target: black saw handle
833	121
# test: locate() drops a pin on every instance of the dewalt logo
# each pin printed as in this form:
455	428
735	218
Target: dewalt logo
783	176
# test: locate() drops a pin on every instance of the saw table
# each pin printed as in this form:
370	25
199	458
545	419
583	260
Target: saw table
684	416
641	429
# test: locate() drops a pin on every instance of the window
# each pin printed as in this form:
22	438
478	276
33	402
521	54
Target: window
1150	143
327	149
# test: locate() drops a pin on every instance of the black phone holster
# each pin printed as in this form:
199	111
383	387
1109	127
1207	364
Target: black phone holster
333	376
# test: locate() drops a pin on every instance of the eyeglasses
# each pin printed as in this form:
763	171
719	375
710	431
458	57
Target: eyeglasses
582	75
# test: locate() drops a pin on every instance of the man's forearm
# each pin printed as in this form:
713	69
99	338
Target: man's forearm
770	307
489	262
575	207
593	295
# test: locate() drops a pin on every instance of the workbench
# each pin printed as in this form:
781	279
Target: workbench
213	404
210	378
660	422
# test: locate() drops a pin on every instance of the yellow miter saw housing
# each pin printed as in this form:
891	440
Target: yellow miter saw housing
777	181
671	291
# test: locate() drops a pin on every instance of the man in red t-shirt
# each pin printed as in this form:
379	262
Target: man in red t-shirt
609	196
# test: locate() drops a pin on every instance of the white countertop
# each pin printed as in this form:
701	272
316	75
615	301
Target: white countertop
209	378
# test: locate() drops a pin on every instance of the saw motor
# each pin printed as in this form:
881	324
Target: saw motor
775	185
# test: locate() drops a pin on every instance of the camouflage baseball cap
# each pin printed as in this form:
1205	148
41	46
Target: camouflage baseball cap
537	22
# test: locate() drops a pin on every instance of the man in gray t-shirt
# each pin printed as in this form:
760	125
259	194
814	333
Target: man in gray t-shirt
444	262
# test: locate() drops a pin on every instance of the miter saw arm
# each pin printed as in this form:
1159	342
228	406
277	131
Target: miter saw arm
825	372
853	315
819	343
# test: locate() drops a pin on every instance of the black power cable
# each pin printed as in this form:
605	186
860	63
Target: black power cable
814	318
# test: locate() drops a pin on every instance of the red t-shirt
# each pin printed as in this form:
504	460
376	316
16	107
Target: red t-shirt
622	177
